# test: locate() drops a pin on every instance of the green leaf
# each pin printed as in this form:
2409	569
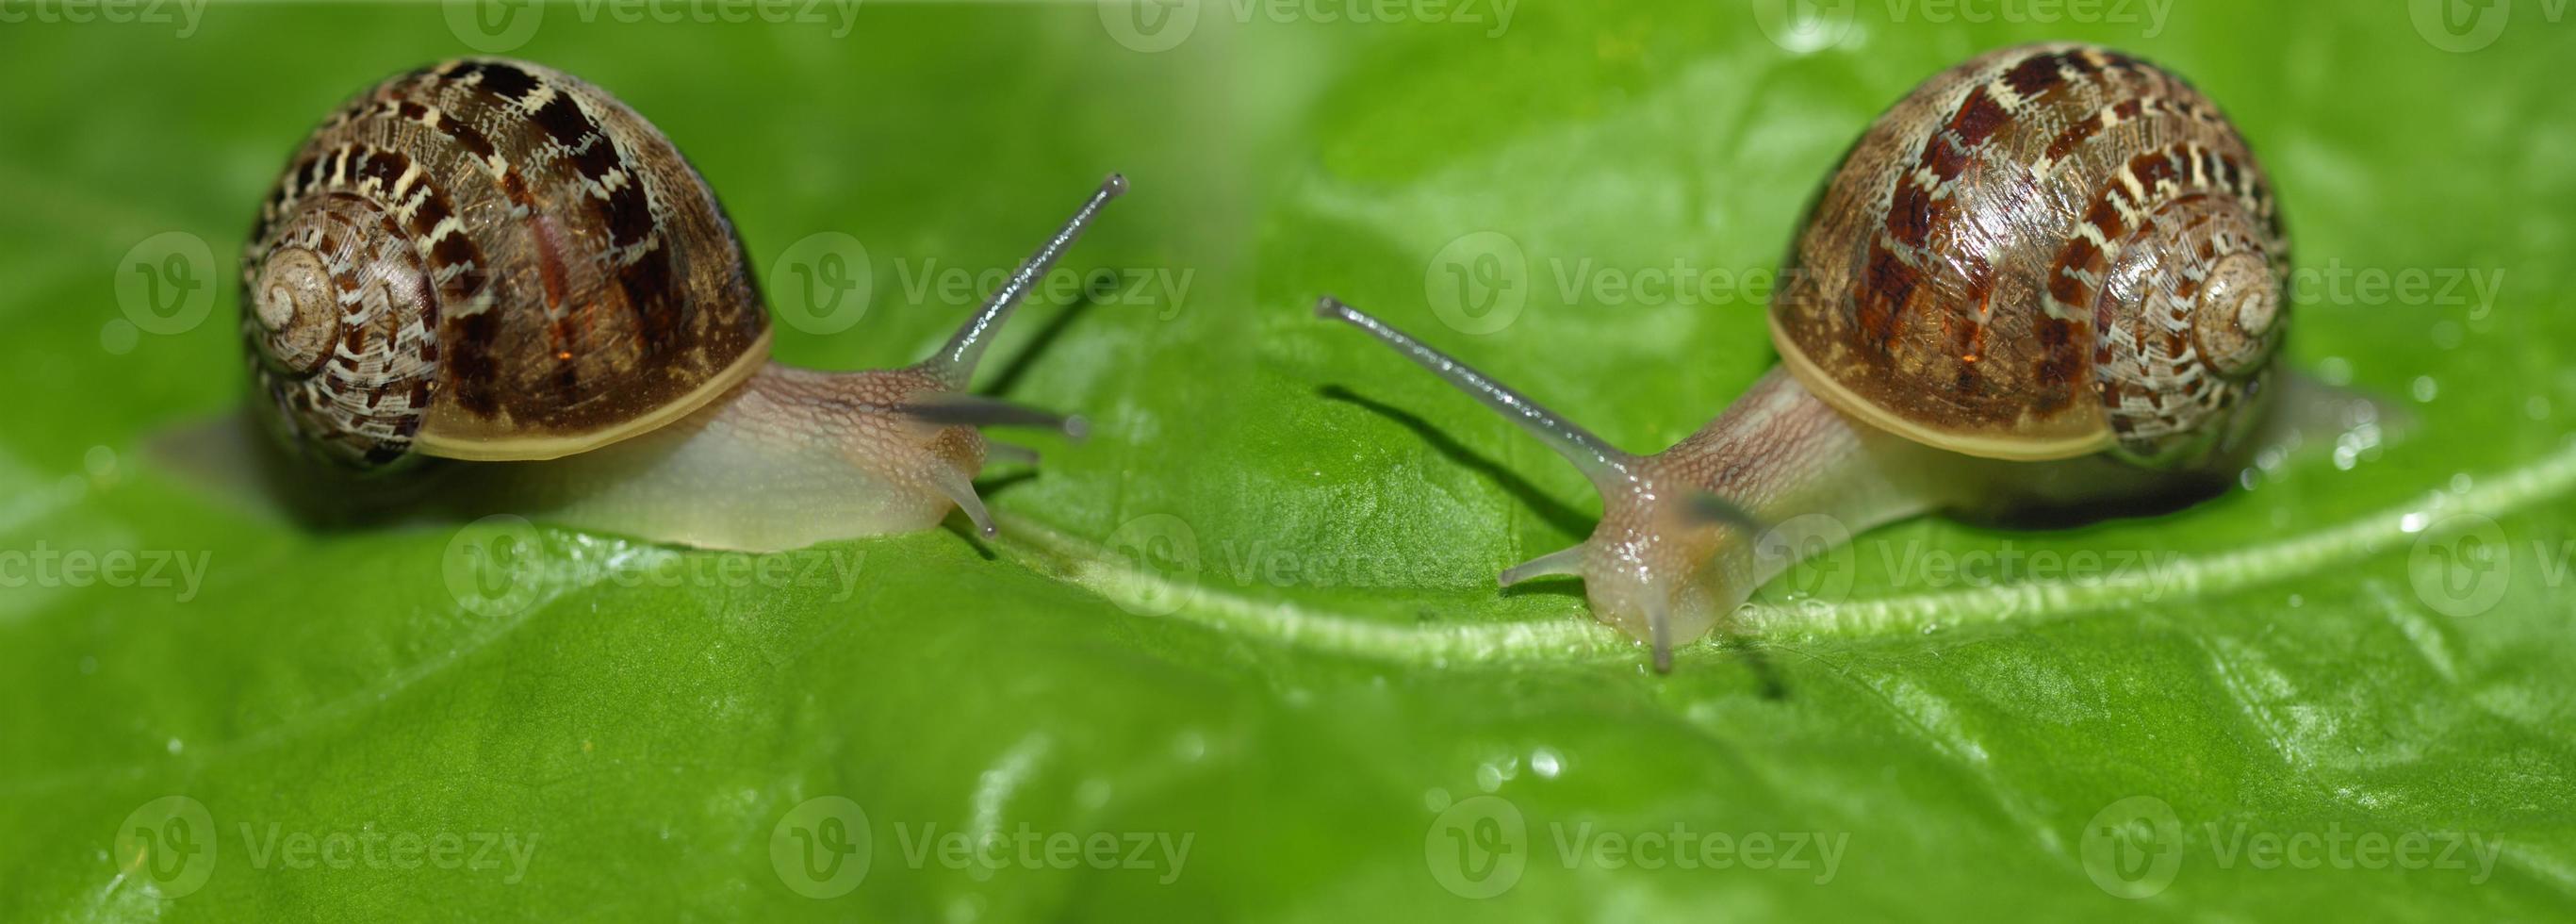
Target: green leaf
1248	631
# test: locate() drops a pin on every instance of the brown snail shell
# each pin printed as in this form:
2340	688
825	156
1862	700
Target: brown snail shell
2053	274
2045	252
493	260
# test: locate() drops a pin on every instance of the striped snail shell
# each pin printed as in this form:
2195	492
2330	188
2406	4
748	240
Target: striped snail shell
2051	276
2045	252
489	259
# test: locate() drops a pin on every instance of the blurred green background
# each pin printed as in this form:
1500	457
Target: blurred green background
1250	625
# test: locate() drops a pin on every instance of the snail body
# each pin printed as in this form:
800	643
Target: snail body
492	261
2052	274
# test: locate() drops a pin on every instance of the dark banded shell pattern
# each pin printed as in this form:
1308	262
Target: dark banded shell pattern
2044	252
490	259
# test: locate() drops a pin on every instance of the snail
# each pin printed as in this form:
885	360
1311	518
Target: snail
492	261
2050	278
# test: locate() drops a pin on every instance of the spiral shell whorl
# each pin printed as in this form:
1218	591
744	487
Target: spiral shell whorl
340	319
2187	315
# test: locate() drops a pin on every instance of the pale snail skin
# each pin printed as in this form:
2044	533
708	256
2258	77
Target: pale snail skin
2052	278
490	260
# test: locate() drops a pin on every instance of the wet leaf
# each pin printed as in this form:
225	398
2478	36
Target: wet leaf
1248	631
